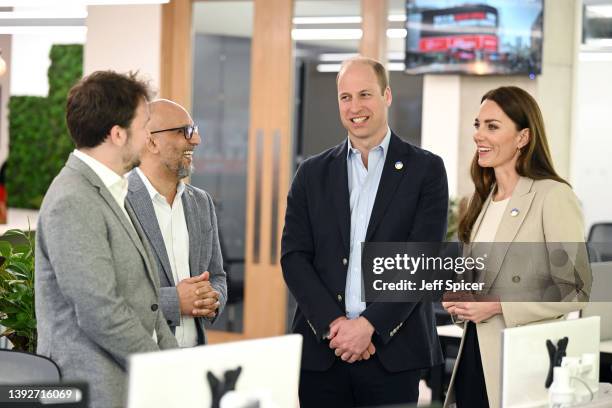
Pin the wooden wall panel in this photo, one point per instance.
(269, 167)
(374, 27)
(176, 59)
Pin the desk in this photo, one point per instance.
(450, 336)
(454, 331)
(603, 398)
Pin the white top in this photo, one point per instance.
(116, 185)
(173, 227)
(491, 220)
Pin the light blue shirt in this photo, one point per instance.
(362, 186)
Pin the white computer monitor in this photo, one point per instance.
(178, 378)
(525, 360)
(601, 297)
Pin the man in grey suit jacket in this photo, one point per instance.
(97, 286)
(180, 222)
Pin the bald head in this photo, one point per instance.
(168, 154)
(166, 114)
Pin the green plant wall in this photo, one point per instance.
(39, 141)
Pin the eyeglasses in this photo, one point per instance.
(188, 130)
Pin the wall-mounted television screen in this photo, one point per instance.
(486, 37)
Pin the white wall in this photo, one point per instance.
(30, 58)
(591, 166)
(441, 122)
(555, 87)
(5, 89)
(125, 38)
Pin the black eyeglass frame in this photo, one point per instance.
(188, 130)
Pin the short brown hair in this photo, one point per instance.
(379, 70)
(100, 101)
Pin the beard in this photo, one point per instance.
(184, 171)
(130, 157)
(177, 167)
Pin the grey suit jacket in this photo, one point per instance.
(96, 285)
(204, 248)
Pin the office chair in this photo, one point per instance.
(17, 367)
(27, 369)
(235, 285)
(600, 242)
(602, 281)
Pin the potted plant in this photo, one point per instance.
(17, 313)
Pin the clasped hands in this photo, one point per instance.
(197, 297)
(466, 308)
(351, 339)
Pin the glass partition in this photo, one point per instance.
(222, 32)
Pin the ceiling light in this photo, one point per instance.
(336, 56)
(68, 3)
(43, 14)
(396, 56)
(396, 66)
(43, 30)
(339, 57)
(327, 20)
(392, 66)
(299, 34)
(396, 33)
(600, 11)
(328, 67)
(313, 34)
(595, 56)
(340, 19)
(397, 17)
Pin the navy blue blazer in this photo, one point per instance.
(411, 206)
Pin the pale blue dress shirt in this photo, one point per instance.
(362, 185)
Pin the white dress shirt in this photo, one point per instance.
(116, 185)
(173, 227)
(362, 186)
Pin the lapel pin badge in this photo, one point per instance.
(514, 212)
(399, 165)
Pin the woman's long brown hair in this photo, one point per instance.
(534, 161)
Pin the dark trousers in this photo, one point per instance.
(470, 386)
(363, 383)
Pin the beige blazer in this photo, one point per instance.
(548, 211)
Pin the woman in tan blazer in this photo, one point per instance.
(518, 198)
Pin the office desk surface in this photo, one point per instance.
(603, 398)
(450, 330)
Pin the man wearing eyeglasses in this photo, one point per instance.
(180, 223)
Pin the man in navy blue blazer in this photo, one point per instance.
(373, 187)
